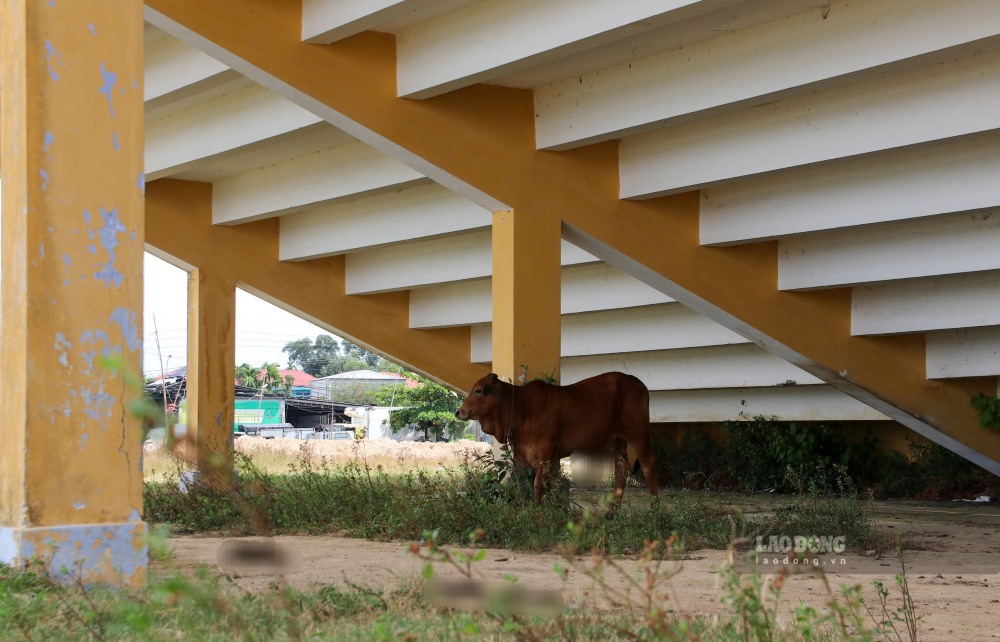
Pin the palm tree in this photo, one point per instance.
(247, 375)
(270, 378)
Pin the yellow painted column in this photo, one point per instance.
(526, 294)
(71, 161)
(211, 371)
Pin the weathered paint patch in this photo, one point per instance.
(67, 260)
(45, 178)
(92, 29)
(114, 140)
(141, 183)
(92, 249)
(109, 239)
(98, 404)
(86, 217)
(51, 56)
(84, 438)
(9, 545)
(126, 320)
(108, 80)
(41, 250)
(113, 554)
(47, 141)
(79, 505)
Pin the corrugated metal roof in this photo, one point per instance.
(363, 374)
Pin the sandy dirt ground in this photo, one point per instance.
(954, 580)
(954, 575)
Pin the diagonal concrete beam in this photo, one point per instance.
(179, 228)
(489, 152)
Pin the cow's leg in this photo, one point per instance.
(644, 453)
(539, 481)
(620, 472)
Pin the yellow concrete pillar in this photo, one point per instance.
(526, 294)
(211, 371)
(71, 161)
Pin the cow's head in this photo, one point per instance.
(483, 401)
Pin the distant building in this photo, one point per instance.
(301, 382)
(339, 386)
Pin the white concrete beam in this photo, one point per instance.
(733, 366)
(459, 257)
(173, 69)
(964, 353)
(419, 212)
(337, 119)
(452, 304)
(220, 125)
(341, 173)
(659, 327)
(843, 42)
(482, 344)
(499, 37)
(931, 246)
(300, 142)
(792, 403)
(921, 305)
(326, 21)
(932, 103)
(588, 288)
(937, 178)
(585, 288)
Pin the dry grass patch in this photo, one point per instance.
(276, 456)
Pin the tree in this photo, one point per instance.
(301, 355)
(327, 356)
(270, 379)
(247, 375)
(370, 359)
(429, 406)
(326, 348)
(264, 378)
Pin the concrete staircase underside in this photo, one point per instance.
(783, 207)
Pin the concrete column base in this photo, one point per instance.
(115, 554)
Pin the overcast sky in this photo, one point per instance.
(261, 328)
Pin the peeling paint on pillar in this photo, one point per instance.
(51, 56)
(109, 78)
(109, 239)
(98, 404)
(62, 344)
(126, 320)
(86, 554)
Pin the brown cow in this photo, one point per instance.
(543, 423)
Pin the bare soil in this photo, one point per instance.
(954, 578)
(953, 561)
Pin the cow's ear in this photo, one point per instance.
(493, 376)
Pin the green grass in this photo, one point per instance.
(357, 501)
(197, 605)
